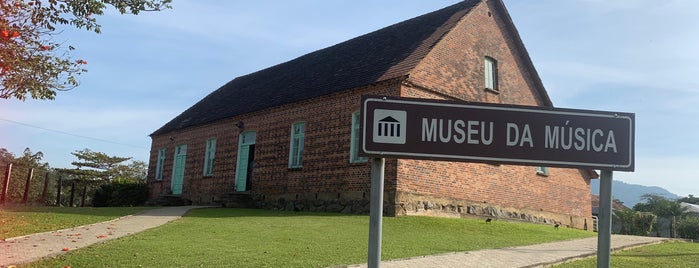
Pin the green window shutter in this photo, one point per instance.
(160, 165)
(209, 157)
(491, 73)
(354, 143)
(296, 151)
(241, 171)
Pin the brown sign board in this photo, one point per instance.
(494, 133)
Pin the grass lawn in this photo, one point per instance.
(669, 254)
(21, 220)
(263, 238)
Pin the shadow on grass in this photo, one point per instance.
(641, 255)
(89, 211)
(220, 212)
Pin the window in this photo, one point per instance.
(209, 157)
(491, 74)
(296, 151)
(160, 164)
(544, 171)
(354, 143)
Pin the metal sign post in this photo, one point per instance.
(376, 212)
(494, 133)
(604, 230)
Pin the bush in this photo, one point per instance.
(643, 223)
(688, 227)
(120, 194)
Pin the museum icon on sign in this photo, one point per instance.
(389, 126)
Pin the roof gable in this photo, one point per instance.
(380, 55)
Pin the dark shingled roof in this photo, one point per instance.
(383, 54)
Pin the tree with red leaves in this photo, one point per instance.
(32, 64)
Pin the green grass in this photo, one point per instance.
(669, 254)
(18, 221)
(263, 238)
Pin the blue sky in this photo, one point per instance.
(635, 56)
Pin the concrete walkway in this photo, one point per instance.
(540, 255)
(24, 249)
(29, 248)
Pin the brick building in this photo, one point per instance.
(286, 136)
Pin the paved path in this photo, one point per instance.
(33, 247)
(540, 255)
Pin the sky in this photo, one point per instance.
(637, 56)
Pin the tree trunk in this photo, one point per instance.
(46, 188)
(72, 193)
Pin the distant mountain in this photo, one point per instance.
(631, 194)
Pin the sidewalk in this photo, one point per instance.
(539, 255)
(29, 248)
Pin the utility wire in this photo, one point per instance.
(71, 134)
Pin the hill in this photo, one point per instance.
(630, 194)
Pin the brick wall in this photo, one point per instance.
(327, 181)
(455, 70)
(326, 169)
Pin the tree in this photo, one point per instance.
(99, 165)
(107, 179)
(689, 199)
(5, 157)
(32, 62)
(135, 171)
(663, 208)
(20, 169)
(660, 206)
(689, 228)
(624, 217)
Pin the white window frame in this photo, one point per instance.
(209, 157)
(491, 73)
(160, 164)
(354, 143)
(298, 132)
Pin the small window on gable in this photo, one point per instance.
(354, 144)
(543, 171)
(160, 165)
(298, 131)
(209, 157)
(491, 74)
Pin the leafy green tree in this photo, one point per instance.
(20, 169)
(98, 164)
(689, 199)
(643, 223)
(660, 206)
(97, 171)
(688, 228)
(625, 220)
(32, 60)
(135, 171)
(6, 156)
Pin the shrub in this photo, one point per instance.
(643, 223)
(688, 227)
(120, 194)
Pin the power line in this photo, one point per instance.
(70, 134)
